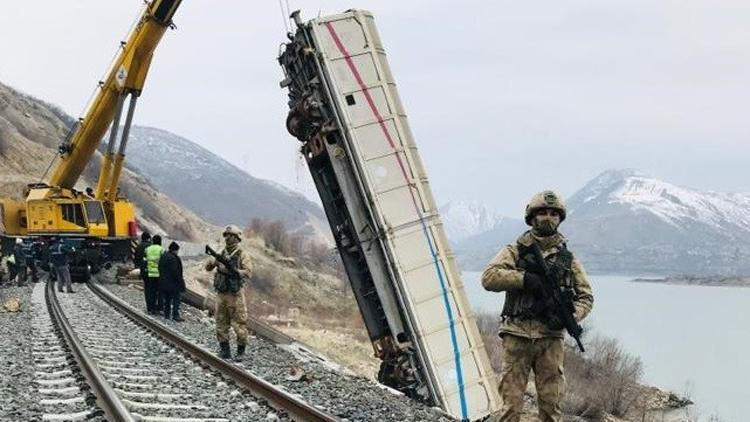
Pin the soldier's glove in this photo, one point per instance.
(532, 282)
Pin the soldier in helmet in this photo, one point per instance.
(531, 339)
(230, 297)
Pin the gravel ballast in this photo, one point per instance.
(153, 379)
(19, 399)
(350, 397)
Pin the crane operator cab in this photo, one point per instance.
(83, 220)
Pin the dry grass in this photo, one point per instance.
(604, 381)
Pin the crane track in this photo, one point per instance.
(137, 368)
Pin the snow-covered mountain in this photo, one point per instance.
(464, 219)
(625, 221)
(190, 174)
(682, 208)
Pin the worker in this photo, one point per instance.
(139, 256)
(19, 256)
(36, 250)
(3, 263)
(58, 257)
(171, 282)
(151, 284)
(229, 281)
(10, 262)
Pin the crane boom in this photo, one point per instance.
(126, 76)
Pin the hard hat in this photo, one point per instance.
(542, 200)
(232, 229)
(19, 241)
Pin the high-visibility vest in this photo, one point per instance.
(153, 253)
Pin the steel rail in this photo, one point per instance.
(276, 398)
(109, 402)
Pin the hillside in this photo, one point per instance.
(189, 174)
(30, 131)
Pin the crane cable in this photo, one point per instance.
(284, 16)
(41, 179)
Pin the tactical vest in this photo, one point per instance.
(226, 283)
(153, 253)
(521, 304)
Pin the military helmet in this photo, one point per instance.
(542, 200)
(232, 229)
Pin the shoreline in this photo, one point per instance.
(706, 281)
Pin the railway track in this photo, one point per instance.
(282, 360)
(140, 370)
(64, 393)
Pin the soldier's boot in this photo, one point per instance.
(225, 353)
(240, 352)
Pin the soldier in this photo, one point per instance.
(531, 339)
(230, 296)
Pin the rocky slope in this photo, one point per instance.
(189, 174)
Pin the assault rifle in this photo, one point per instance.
(228, 265)
(559, 305)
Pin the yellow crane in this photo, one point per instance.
(100, 222)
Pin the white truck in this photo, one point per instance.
(346, 111)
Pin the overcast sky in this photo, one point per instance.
(505, 98)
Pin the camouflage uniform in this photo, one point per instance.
(230, 310)
(528, 343)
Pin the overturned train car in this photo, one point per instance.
(345, 109)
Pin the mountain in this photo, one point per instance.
(463, 219)
(627, 222)
(190, 174)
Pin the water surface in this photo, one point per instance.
(692, 338)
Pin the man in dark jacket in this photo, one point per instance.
(19, 257)
(139, 257)
(58, 257)
(171, 282)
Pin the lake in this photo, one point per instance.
(690, 338)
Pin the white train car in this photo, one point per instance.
(346, 111)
